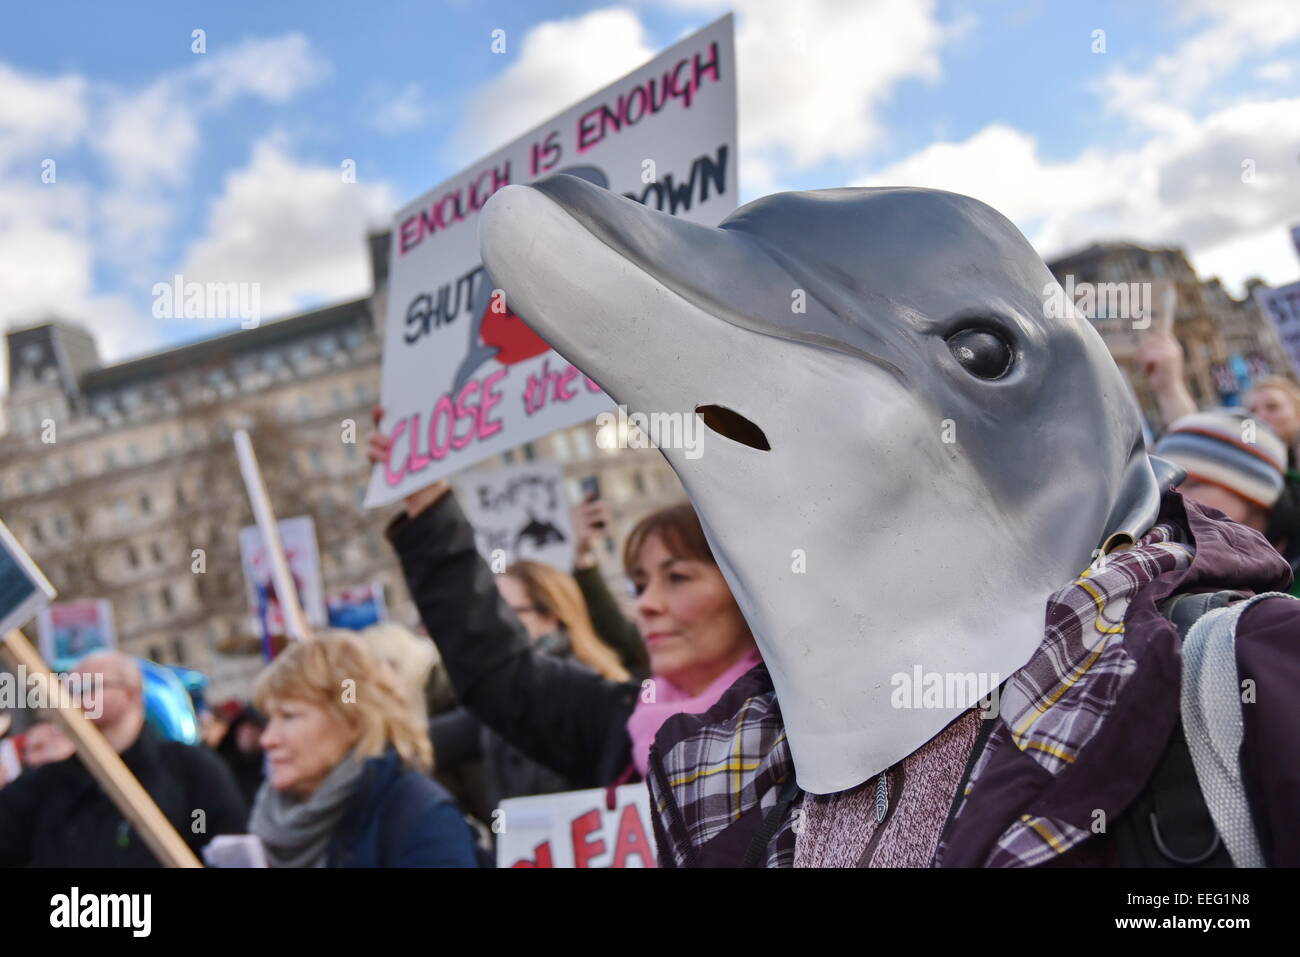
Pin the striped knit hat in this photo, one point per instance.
(1213, 448)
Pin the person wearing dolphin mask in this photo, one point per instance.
(955, 497)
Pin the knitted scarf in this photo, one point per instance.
(296, 831)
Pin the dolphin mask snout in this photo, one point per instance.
(842, 347)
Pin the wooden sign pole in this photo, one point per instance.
(295, 623)
(106, 765)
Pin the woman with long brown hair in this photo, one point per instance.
(592, 730)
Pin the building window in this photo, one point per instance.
(123, 512)
(132, 557)
(156, 551)
(304, 407)
(155, 654)
(110, 460)
(143, 606)
(530, 452)
(327, 346)
(178, 647)
(314, 456)
(560, 446)
(361, 392)
(69, 470)
(582, 443)
(37, 536)
(146, 506)
(60, 526)
(165, 597)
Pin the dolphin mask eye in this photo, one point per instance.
(981, 352)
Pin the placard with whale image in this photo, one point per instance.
(519, 512)
(463, 378)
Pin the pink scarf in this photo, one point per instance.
(648, 717)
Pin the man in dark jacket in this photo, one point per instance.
(57, 815)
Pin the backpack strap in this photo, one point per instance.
(1213, 725)
(1168, 824)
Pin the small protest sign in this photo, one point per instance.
(577, 829)
(519, 513)
(299, 537)
(71, 629)
(24, 591)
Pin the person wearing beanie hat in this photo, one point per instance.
(1233, 462)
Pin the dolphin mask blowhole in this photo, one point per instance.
(908, 453)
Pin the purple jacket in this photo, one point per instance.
(1118, 763)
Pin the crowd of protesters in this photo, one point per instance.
(389, 748)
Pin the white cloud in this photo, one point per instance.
(295, 228)
(404, 111)
(559, 63)
(1276, 71)
(814, 75)
(274, 68)
(148, 137)
(1163, 95)
(1183, 189)
(39, 115)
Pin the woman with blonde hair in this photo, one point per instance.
(347, 761)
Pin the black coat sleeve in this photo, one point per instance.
(457, 737)
(555, 711)
(610, 623)
(20, 800)
(211, 787)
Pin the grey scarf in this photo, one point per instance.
(296, 831)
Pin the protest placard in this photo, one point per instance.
(519, 513)
(356, 608)
(463, 378)
(577, 829)
(70, 629)
(1282, 306)
(24, 591)
(299, 537)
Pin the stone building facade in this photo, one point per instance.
(121, 480)
(1224, 340)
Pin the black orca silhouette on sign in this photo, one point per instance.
(506, 344)
(538, 533)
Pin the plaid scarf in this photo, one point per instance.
(725, 769)
(1053, 706)
(1050, 709)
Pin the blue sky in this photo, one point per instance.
(226, 162)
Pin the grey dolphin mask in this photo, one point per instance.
(908, 452)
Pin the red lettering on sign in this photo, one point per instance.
(631, 839)
(541, 857)
(583, 849)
